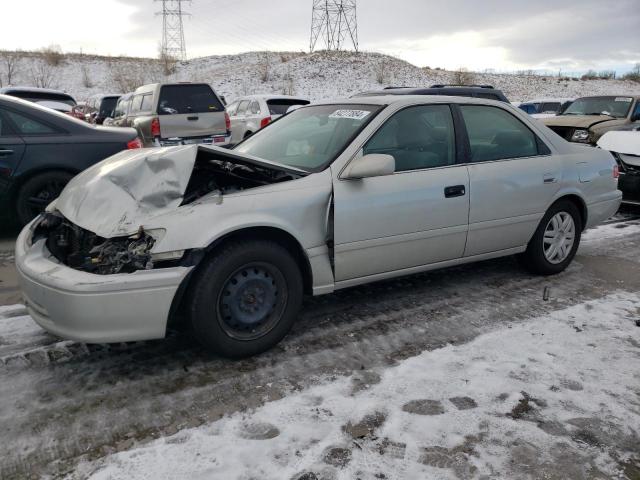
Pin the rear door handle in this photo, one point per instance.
(454, 191)
(549, 178)
(5, 153)
(192, 118)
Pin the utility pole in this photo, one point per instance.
(336, 22)
(173, 45)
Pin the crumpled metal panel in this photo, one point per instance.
(626, 142)
(113, 197)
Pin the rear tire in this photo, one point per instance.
(556, 240)
(37, 192)
(245, 298)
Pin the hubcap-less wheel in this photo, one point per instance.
(559, 237)
(252, 301)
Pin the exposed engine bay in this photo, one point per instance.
(83, 250)
(215, 175)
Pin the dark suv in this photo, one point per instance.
(477, 91)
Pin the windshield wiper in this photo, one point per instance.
(601, 114)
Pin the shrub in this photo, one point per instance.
(53, 55)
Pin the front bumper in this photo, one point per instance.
(92, 308)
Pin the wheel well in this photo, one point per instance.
(580, 205)
(248, 133)
(176, 312)
(22, 179)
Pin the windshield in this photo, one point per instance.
(310, 138)
(180, 99)
(617, 107)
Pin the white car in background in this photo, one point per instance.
(545, 107)
(253, 112)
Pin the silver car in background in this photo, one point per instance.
(332, 195)
(251, 113)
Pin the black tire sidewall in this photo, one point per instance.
(22, 211)
(534, 258)
(209, 281)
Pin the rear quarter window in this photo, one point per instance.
(30, 126)
(181, 99)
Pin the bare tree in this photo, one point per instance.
(10, 62)
(462, 76)
(53, 55)
(265, 68)
(288, 85)
(126, 76)
(633, 75)
(382, 71)
(86, 78)
(42, 75)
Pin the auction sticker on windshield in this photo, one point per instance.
(352, 114)
(624, 99)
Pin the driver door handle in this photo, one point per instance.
(4, 153)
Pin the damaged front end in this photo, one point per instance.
(83, 250)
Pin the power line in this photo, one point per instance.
(334, 21)
(173, 44)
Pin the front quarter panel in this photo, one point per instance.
(298, 207)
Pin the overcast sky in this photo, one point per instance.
(572, 35)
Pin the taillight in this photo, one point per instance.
(616, 171)
(227, 121)
(135, 143)
(155, 127)
(265, 122)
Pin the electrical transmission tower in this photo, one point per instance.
(335, 22)
(173, 45)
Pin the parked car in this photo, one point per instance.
(41, 150)
(545, 107)
(55, 99)
(100, 107)
(78, 111)
(330, 196)
(625, 147)
(120, 112)
(251, 113)
(475, 91)
(166, 114)
(588, 118)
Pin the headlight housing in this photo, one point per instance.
(580, 135)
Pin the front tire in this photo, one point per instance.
(37, 192)
(245, 298)
(556, 240)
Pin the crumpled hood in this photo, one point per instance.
(625, 143)
(577, 121)
(115, 196)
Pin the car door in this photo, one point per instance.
(513, 178)
(415, 217)
(11, 151)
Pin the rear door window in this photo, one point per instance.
(242, 108)
(281, 105)
(146, 104)
(495, 134)
(181, 99)
(5, 128)
(136, 103)
(254, 108)
(29, 126)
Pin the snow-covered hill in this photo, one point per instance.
(317, 75)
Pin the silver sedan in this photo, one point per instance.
(330, 196)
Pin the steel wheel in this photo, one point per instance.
(559, 237)
(252, 301)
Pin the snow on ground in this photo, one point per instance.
(319, 75)
(532, 399)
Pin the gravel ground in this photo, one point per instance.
(64, 402)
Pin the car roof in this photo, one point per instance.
(6, 90)
(266, 96)
(550, 99)
(408, 100)
(39, 109)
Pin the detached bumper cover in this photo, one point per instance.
(94, 308)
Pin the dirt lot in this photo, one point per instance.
(63, 402)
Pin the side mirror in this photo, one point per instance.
(372, 165)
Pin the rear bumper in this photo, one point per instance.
(94, 308)
(217, 140)
(598, 212)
